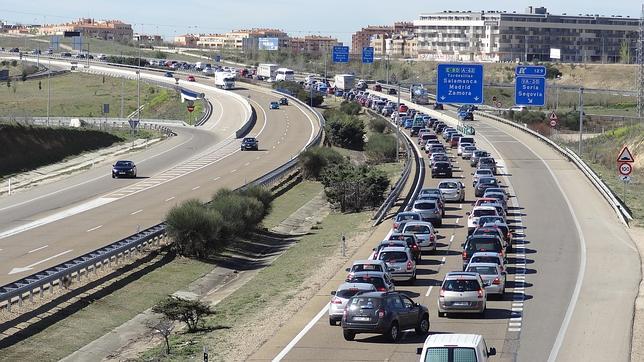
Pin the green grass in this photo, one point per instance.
(392, 170)
(292, 200)
(83, 95)
(274, 285)
(103, 315)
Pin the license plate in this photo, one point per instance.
(361, 319)
(122, 172)
(461, 304)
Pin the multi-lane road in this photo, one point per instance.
(47, 225)
(572, 278)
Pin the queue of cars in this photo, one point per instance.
(415, 232)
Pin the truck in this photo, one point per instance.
(225, 80)
(267, 71)
(418, 94)
(344, 81)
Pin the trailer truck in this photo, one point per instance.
(418, 94)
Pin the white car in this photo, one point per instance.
(492, 275)
(467, 152)
(477, 212)
(367, 265)
(471, 347)
(424, 232)
(461, 147)
(488, 257)
(341, 296)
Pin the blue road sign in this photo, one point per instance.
(530, 91)
(460, 83)
(340, 54)
(133, 123)
(217, 58)
(367, 55)
(530, 71)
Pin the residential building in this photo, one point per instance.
(379, 44)
(186, 40)
(504, 36)
(213, 41)
(102, 29)
(313, 44)
(147, 38)
(400, 46)
(362, 38)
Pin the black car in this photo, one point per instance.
(483, 184)
(441, 168)
(284, 101)
(484, 243)
(392, 91)
(387, 313)
(249, 143)
(438, 106)
(14, 50)
(124, 169)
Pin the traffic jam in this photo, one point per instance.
(453, 257)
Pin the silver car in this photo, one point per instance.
(480, 172)
(452, 190)
(401, 261)
(380, 280)
(467, 152)
(474, 160)
(424, 232)
(341, 296)
(492, 275)
(461, 146)
(462, 292)
(429, 210)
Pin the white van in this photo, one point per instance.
(455, 347)
(466, 139)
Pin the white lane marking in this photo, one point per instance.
(233, 171)
(299, 336)
(516, 319)
(216, 178)
(451, 238)
(57, 216)
(443, 260)
(35, 250)
(517, 309)
(257, 158)
(517, 304)
(514, 324)
(247, 163)
(94, 228)
(195, 188)
(460, 206)
(457, 220)
(29, 267)
(169, 198)
(136, 212)
(514, 329)
(429, 291)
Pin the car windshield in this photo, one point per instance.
(401, 217)
(485, 172)
(393, 256)
(483, 270)
(461, 285)
(374, 280)
(425, 205)
(487, 181)
(483, 245)
(417, 229)
(485, 259)
(364, 303)
(123, 164)
(448, 185)
(483, 212)
(367, 267)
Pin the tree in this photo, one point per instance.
(163, 327)
(625, 52)
(190, 312)
(312, 162)
(344, 130)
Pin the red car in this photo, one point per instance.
(403, 108)
(191, 78)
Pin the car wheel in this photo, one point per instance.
(440, 223)
(413, 278)
(393, 334)
(332, 322)
(349, 335)
(113, 176)
(441, 314)
(423, 326)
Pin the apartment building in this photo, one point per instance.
(313, 44)
(186, 40)
(527, 36)
(362, 38)
(102, 29)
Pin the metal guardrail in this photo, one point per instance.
(207, 106)
(26, 288)
(620, 209)
(116, 123)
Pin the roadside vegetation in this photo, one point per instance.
(296, 90)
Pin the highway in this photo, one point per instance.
(573, 276)
(49, 224)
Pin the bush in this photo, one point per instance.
(240, 213)
(261, 194)
(354, 188)
(195, 229)
(313, 161)
(381, 148)
(305, 96)
(378, 124)
(527, 116)
(191, 312)
(344, 130)
(350, 108)
(552, 72)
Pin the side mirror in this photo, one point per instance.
(347, 269)
(374, 249)
(390, 269)
(491, 352)
(467, 213)
(333, 292)
(419, 350)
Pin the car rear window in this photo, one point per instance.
(367, 267)
(486, 259)
(458, 354)
(487, 181)
(402, 217)
(461, 285)
(373, 280)
(486, 245)
(483, 270)
(417, 229)
(425, 205)
(364, 303)
(393, 256)
(347, 293)
(448, 185)
(484, 212)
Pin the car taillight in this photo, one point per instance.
(435, 211)
(381, 313)
(441, 293)
(496, 281)
(432, 237)
(480, 293)
(382, 289)
(464, 254)
(409, 265)
(415, 247)
(336, 300)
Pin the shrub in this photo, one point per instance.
(191, 312)
(377, 124)
(344, 130)
(240, 213)
(354, 188)
(195, 229)
(261, 194)
(381, 148)
(313, 161)
(350, 108)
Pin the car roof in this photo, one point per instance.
(446, 339)
(486, 253)
(369, 273)
(361, 286)
(418, 222)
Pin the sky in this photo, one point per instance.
(337, 18)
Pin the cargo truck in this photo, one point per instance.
(225, 80)
(344, 81)
(418, 94)
(267, 71)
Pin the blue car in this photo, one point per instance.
(275, 105)
(408, 123)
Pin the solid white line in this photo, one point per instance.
(299, 336)
(170, 198)
(429, 291)
(35, 250)
(451, 238)
(94, 228)
(195, 188)
(458, 219)
(136, 212)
